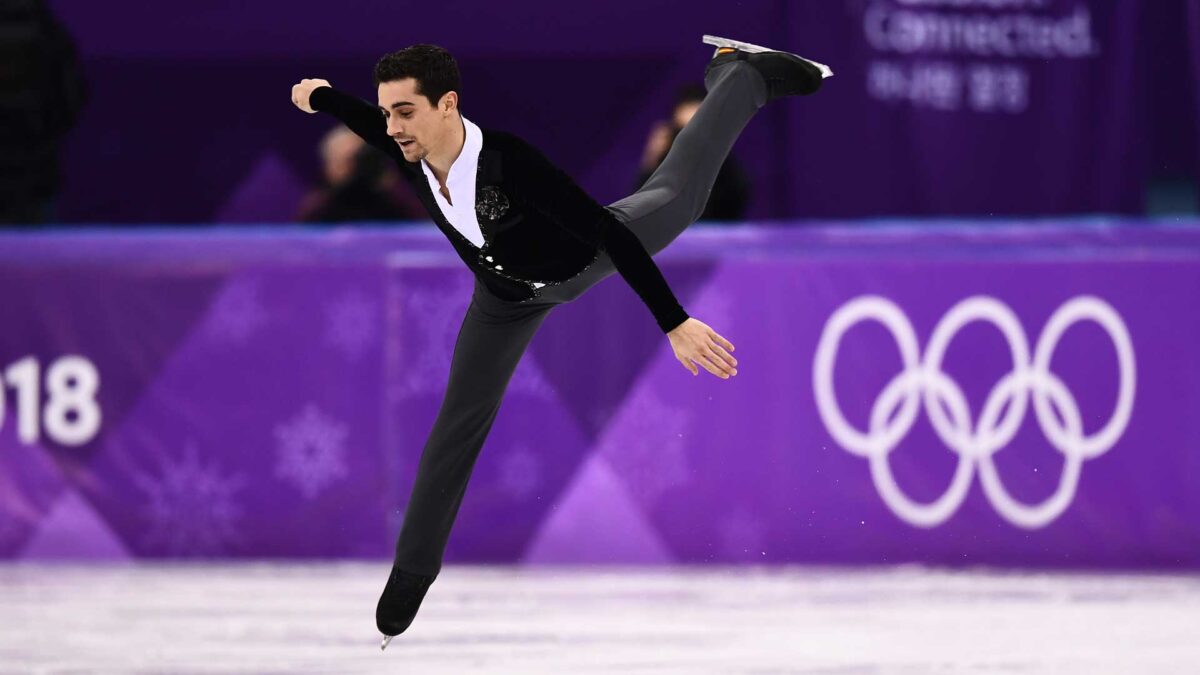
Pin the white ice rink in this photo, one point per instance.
(319, 618)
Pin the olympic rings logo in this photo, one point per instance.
(922, 381)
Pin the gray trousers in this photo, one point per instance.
(495, 332)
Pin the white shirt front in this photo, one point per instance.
(460, 182)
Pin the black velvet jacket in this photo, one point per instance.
(538, 225)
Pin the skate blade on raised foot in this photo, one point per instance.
(386, 640)
(720, 42)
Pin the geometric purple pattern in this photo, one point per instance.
(267, 393)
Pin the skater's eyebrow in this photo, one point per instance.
(397, 104)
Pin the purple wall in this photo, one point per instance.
(196, 113)
(190, 119)
(266, 393)
(938, 115)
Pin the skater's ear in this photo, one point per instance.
(448, 103)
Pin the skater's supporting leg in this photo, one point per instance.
(490, 343)
(675, 195)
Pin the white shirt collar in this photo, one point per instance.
(460, 181)
(467, 162)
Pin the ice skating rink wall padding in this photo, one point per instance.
(1017, 393)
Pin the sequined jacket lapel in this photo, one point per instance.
(523, 251)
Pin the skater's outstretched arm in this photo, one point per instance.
(364, 119)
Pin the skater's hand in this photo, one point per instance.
(695, 343)
(303, 89)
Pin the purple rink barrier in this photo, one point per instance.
(1017, 394)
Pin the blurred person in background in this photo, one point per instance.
(360, 184)
(42, 91)
(730, 193)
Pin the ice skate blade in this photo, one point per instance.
(720, 42)
(386, 640)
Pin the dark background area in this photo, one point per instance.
(189, 118)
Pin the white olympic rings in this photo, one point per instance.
(974, 444)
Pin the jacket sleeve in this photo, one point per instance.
(545, 188)
(361, 117)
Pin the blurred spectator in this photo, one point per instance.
(360, 184)
(41, 93)
(731, 191)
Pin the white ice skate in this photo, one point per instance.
(721, 43)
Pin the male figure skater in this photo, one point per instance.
(534, 240)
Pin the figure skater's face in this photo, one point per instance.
(418, 127)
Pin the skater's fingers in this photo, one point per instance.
(688, 364)
(721, 362)
(720, 351)
(710, 365)
(703, 363)
(720, 340)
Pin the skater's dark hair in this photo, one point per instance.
(431, 66)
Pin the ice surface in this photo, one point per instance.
(300, 618)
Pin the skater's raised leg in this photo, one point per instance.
(738, 84)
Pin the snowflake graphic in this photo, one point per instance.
(520, 472)
(190, 507)
(741, 534)
(646, 445)
(237, 314)
(436, 314)
(311, 451)
(352, 324)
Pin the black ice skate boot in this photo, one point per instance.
(786, 74)
(399, 602)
